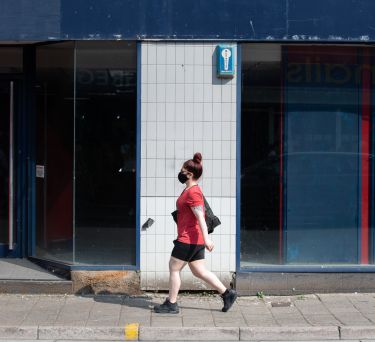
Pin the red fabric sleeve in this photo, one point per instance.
(194, 198)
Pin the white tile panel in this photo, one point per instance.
(189, 109)
(170, 131)
(180, 73)
(160, 131)
(160, 208)
(188, 112)
(150, 186)
(144, 55)
(151, 52)
(198, 111)
(189, 74)
(171, 54)
(161, 54)
(161, 93)
(189, 53)
(207, 110)
(170, 75)
(198, 92)
(169, 110)
(199, 74)
(189, 92)
(180, 53)
(170, 95)
(160, 187)
(216, 93)
(151, 73)
(198, 55)
(160, 151)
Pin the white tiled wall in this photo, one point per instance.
(185, 109)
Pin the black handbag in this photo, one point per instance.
(212, 221)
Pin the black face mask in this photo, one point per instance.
(182, 177)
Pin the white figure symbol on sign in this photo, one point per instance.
(226, 55)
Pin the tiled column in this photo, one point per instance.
(185, 109)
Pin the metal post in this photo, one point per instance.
(11, 171)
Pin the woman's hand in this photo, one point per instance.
(209, 245)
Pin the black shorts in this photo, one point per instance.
(187, 252)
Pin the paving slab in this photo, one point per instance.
(104, 317)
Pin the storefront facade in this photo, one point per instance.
(103, 101)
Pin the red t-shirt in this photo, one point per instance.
(187, 224)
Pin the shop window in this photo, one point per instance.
(54, 151)
(306, 155)
(105, 148)
(86, 152)
(11, 60)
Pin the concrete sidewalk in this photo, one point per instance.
(116, 318)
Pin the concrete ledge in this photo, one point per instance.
(188, 334)
(81, 333)
(290, 284)
(358, 332)
(36, 286)
(106, 282)
(18, 333)
(289, 333)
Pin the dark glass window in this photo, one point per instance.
(11, 60)
(306, 157)
(105, 153)
(260, 162)
(86, 152)
(54, 151)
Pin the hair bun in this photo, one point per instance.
(197, 158)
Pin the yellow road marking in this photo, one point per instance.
(131, 331)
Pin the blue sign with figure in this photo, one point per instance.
(225, 65)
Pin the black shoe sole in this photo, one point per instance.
(167, 312)
(235, 297)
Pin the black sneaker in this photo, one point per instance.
(229, 298)
(167, 307)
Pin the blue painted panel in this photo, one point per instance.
(219, 19)
(29, 19)
(183, 19)
(332, 19)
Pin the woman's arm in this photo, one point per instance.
(198, 212)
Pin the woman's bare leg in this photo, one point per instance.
(198, 268)
(175, 267)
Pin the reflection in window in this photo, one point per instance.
(54, 151)
(260, 151)
(11, 60)
(305, 155)
(105, 153)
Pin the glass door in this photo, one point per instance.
(8, 233)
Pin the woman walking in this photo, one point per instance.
(192, 240)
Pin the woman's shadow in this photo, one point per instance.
(145, 302)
